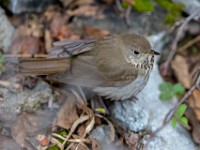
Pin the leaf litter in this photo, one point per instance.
(73, 115)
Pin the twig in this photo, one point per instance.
(190, 43)
(172, 111)
(74, 126)
(119, 6)
(126, 13)
(77, 140)
(112, 129)
(165, 66)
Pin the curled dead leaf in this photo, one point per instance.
(194, 103)
(181, 70)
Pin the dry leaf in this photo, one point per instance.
(33, 28)
(67, 113)
(181, 70)
(43, 140)
(58, 21)
(30, 125)
(85, 2)
(96, 145)
(85, 10)
(66, 33)
(195, 124)
(194, 103)
(25, 45)
(66, 3)
(94, 33)
(132, 140)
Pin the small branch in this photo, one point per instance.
(165, 66)
(119, 6)
(74, 126)
(190, 43)
(127, 15)
(172, 111)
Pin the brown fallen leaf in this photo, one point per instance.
(66, 33)
(25, 45)
(195, 124)
(85, 2)
(43, 140)
(96, 145)
(29, 125)
(132, 140)
(94, 33)
(67, 113)
(58, 21)
(85, 10)
(194, 103)
(181, 70)
(66, 3)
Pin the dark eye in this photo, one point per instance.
(136, 52)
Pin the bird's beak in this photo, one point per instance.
(154, 52)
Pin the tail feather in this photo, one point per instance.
(43, 66)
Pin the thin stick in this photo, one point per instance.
(176, 40)
(170, 114)
(190, 43)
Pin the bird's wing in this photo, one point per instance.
(83, 72)
(68, 48)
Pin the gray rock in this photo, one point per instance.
(20, 6)
(133, 117)
(26, 100)
(148, 113)
(102, 134)
(6, 31)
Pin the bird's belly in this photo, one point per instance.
(124, 92)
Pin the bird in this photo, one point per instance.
(116, 66)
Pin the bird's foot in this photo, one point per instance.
(98, 105)
(133, 98)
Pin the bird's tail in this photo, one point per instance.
(42, 66)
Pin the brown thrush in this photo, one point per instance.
(116, 66)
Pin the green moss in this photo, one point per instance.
(143, 6)
(174, 10)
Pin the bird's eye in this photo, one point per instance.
(136, 52)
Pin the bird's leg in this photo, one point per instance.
(133, 98)
(98, 105)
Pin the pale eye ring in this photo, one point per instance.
(136, 52)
